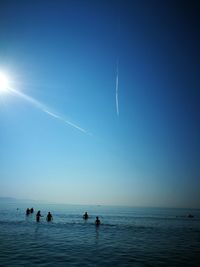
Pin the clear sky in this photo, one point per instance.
(64, 57)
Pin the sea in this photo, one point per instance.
(126, 236)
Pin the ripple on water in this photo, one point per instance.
(121, 240)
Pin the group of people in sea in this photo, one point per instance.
(86, 216)
(38, 215)
(29, 211)
(49, 216)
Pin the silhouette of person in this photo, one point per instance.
(31, 210)
(85, 216)
(49, 217)
(27, 211)
(97, 222)
(38, 215)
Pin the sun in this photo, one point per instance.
(4, 82)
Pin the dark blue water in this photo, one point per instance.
(126, 236)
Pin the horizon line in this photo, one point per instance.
(96, 204)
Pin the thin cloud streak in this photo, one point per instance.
(77, 127)
(116, 90)
(67, 122)
(43, 108)
(52, 114)
(31, 100)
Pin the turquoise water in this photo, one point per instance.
(126, 236)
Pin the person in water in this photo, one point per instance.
(97, 222)
(49, 217)
(31, 210)
(38, 215)
(85, 216)
(27, 211)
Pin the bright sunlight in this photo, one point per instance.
(4, 82)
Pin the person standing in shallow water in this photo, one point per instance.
(97, 222)
(85, 216)
(27, 211)
(31, 210)
(49, 217)
(38, 215)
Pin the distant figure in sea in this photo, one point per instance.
(97, 222)
(27, 211)
(49, 217)
(38, 215)
(31, 210)
(85, 216)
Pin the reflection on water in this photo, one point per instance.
(97, 234)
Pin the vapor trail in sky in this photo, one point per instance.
(116, 89)
(46, 110)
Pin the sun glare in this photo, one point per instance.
(4, 82)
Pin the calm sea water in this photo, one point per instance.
(126, 236)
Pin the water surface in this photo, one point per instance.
(126, 236)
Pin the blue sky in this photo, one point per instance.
(64, 55)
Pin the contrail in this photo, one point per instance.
(116, 89)
(46, 110)
(52, 114)
(67, 122)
